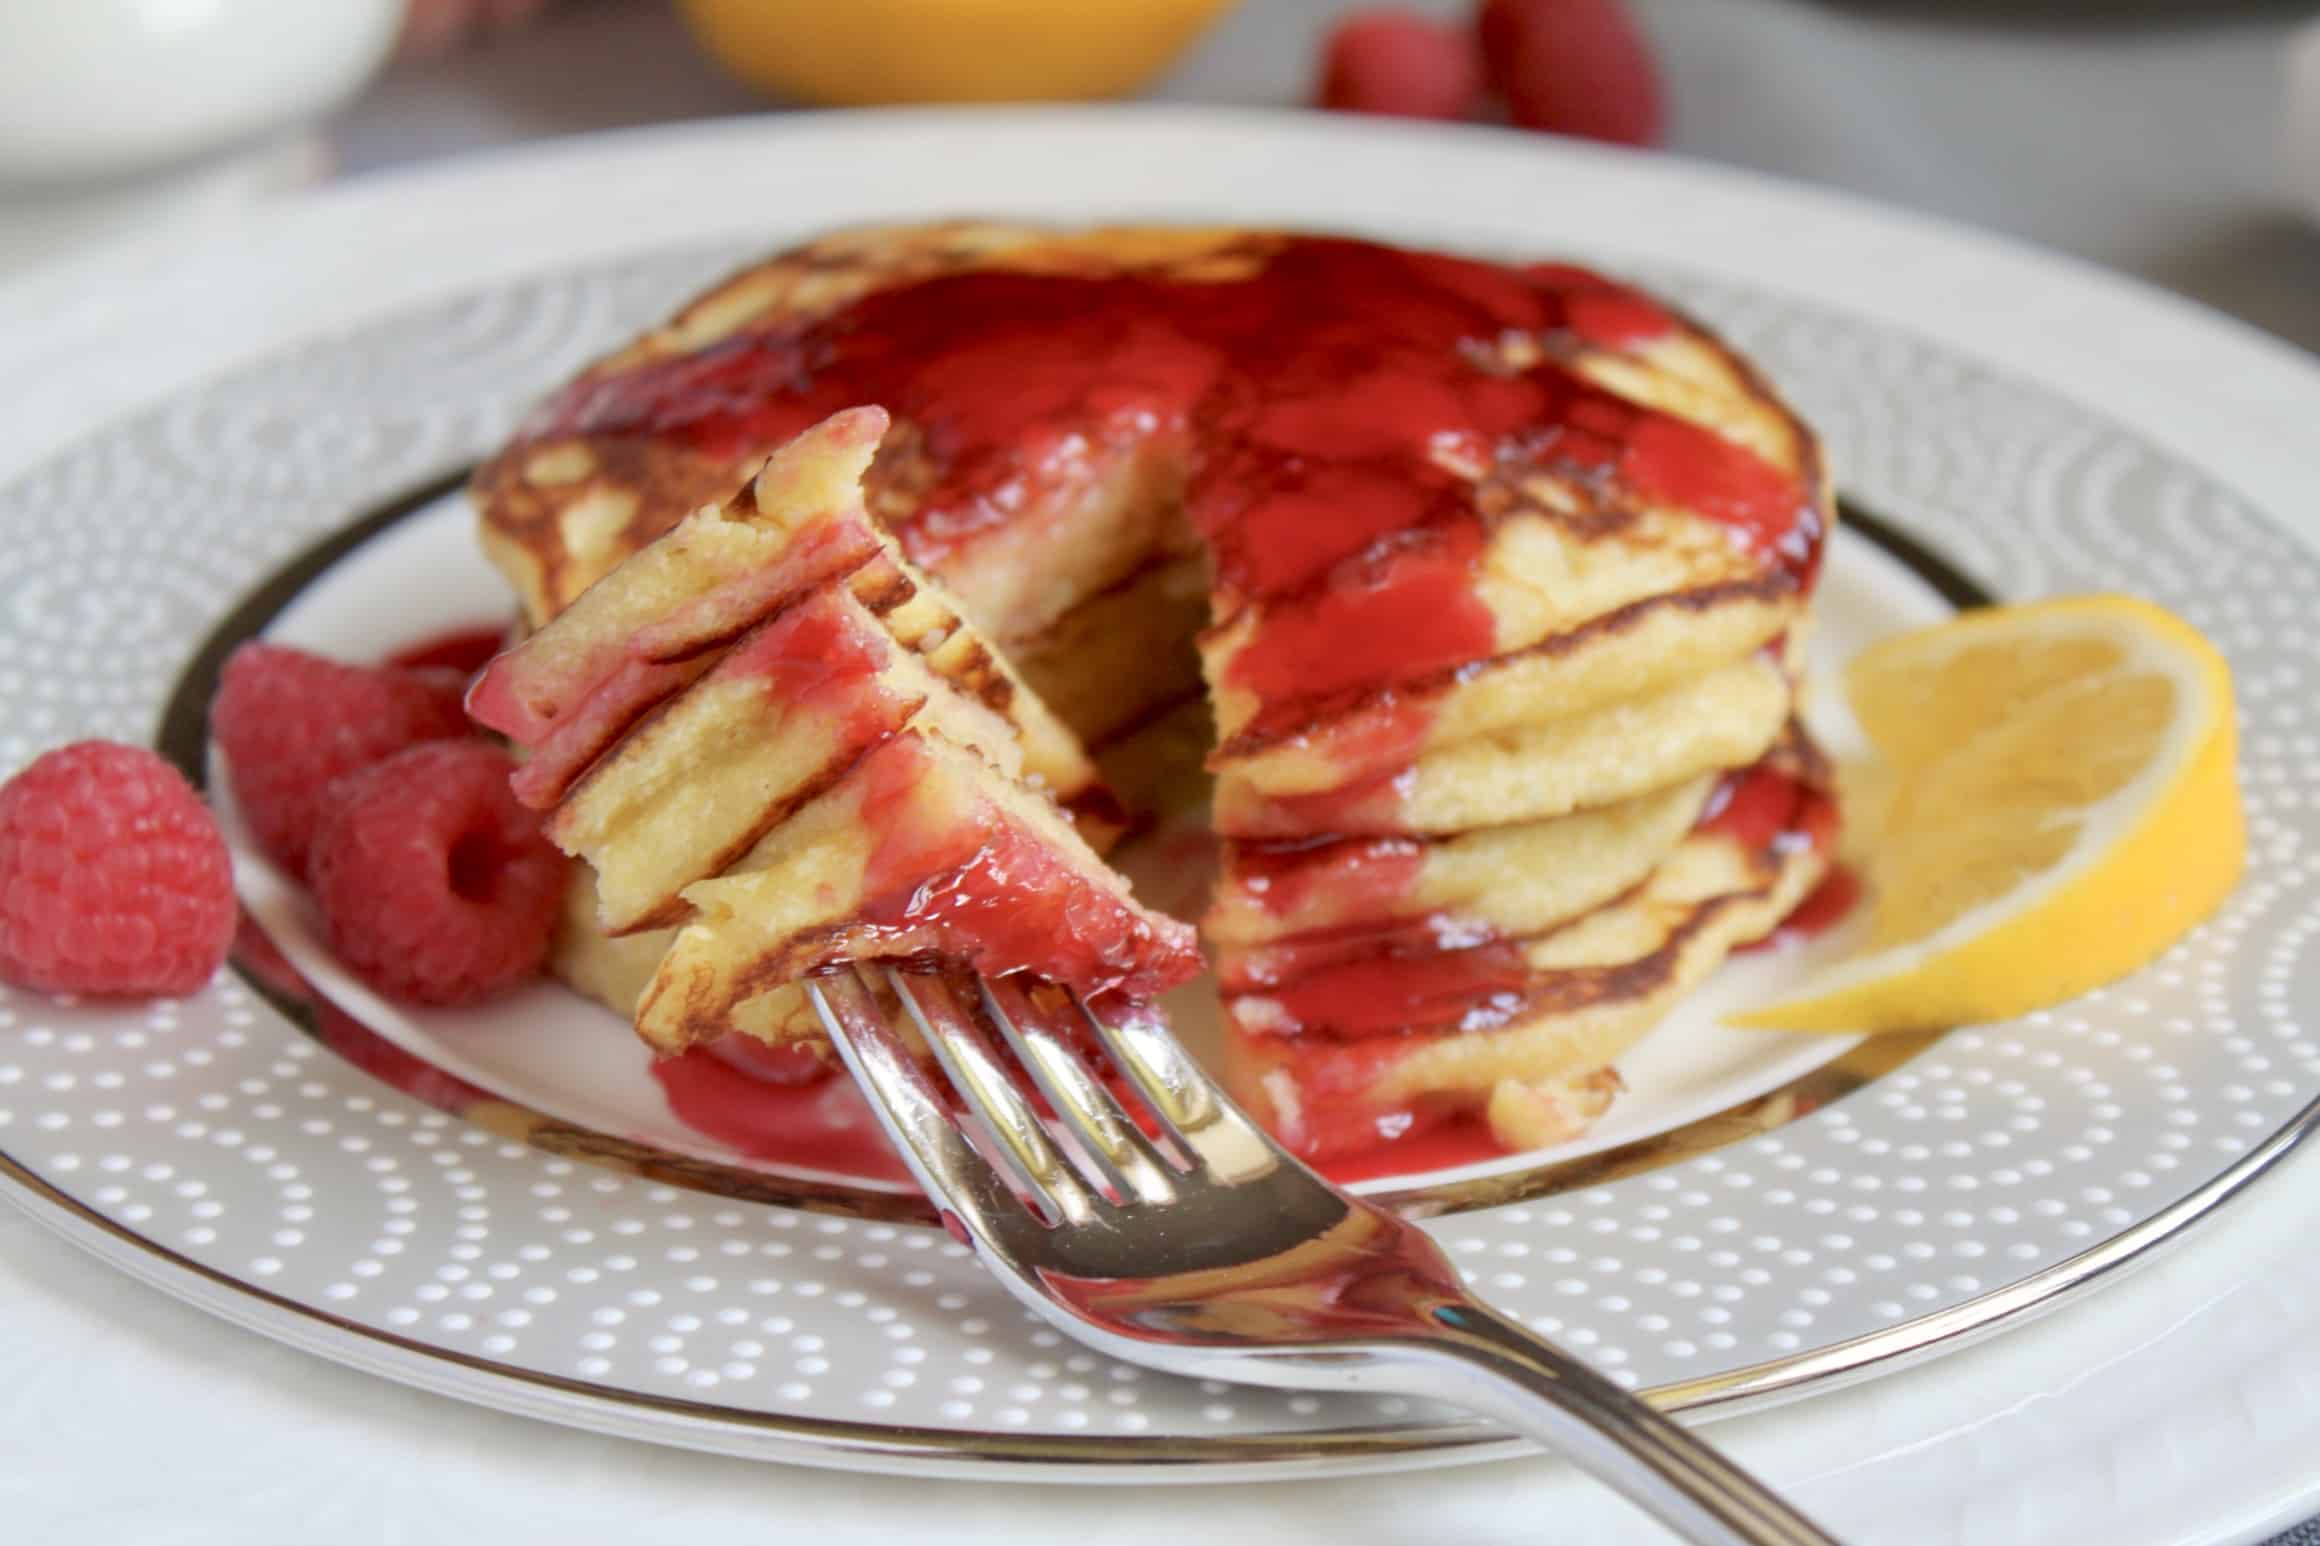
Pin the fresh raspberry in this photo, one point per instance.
(113, 877)
(289, 723)
(435, 885)
(1573, 67)
(1401, 63)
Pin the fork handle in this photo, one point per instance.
(1495, 1367)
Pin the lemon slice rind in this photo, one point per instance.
(2150, 860)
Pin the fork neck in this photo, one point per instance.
(1474, 1357)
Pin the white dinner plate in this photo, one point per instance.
(1761, 1218)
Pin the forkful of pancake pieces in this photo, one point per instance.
(873, 600)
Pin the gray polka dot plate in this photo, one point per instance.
(508, 1205)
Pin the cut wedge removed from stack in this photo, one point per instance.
(2063, 806)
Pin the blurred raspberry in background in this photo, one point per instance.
(435, 26)
(1402, 64)
(1579, 67)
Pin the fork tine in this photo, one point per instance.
(984, 1082)
(1095, 1117)
(912, 1110)
(1198, 1114)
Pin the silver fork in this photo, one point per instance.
(1216, 1254)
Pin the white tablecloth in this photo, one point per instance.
(127, 1418)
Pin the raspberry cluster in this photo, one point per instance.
(1578, 67)
(367, 783)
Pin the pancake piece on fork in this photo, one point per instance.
(771, 732)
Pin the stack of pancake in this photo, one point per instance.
(1496, 576)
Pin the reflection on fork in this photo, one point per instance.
(1206, 1249)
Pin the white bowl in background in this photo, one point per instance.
(92, 90)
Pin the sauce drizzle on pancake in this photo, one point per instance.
(1325, 397)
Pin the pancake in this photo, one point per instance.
(615, 970)
(1157, 766)
(1513, 879)
(609, 968)
(1109, 663)
(1546, 451)
(917, 853)
(1627, 651)
(787, 710)
(1327, 1097)
(796, 772)
(1383, 1042)
(737, 667)
(1725, 718)
(1493, 579)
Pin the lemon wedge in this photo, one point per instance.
(2062, 804)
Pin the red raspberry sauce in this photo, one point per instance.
(465, 650)
(1829, 904)
(981, 884)
(819, 659)
(1357, 877)
(1354, 1002)
(823, 1124)
(1315, 392)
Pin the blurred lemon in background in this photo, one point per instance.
(855, 53)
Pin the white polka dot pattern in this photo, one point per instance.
(214, 1130)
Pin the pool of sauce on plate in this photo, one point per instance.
(807, 1116)
(825, 1124)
